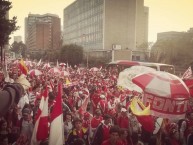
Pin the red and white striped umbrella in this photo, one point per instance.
(35, 72)
(94, 69)
(62, 64)
(167, 93)
(64, 73)
(54, 71)
(162, 84)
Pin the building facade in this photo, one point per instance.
(42, 32)
(106, 24)
(17, 39)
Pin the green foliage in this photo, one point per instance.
(93, 62)
(19, 48)
(177, 51)
(73, 54)
(7, 26)
(51, 55)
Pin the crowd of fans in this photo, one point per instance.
(106, 120)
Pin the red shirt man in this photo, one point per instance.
(123, 120)
(114, 137)
(96, 120)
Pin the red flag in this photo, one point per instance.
(56, 126)
(39, 63)
(189, 84)
(40, 131)
(52, 85)
(23, 67)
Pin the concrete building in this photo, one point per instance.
(169, 35)
(17, 39)
(106, 24)
(190, 30)
(42, 32)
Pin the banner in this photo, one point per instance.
(166, 107)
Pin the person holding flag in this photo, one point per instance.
(56, 136)
(23, 68)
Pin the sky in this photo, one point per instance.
(164, 15)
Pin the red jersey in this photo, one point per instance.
(95, 98)
(123, 122)
(107, 142)
(102, 104)
(174, 142)
(124, 142)
(106, 130)
(96, 121)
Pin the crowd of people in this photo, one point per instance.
(95, 110)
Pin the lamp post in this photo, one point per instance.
(84, 40)
(87, 57)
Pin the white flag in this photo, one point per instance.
(38, 64)
(187, 74)
(56, 136)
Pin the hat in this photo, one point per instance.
(123, 110)
(102, 96)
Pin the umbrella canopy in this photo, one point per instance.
(125, 77)
(62, 64)
(94, 69)
(35, 72)
(162, 84)
(167, 93)
(54, 71)
(64, 73)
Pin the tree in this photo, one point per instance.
(73, 54)
(7, 26)
(177, 50)
(19, 48)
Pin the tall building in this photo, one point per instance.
(42, 32)
(17, 39)
(106, 24)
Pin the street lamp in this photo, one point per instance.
(84, 40)
(87, 59)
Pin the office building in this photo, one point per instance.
(42, 32)
(17, 39)
(106, 24)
